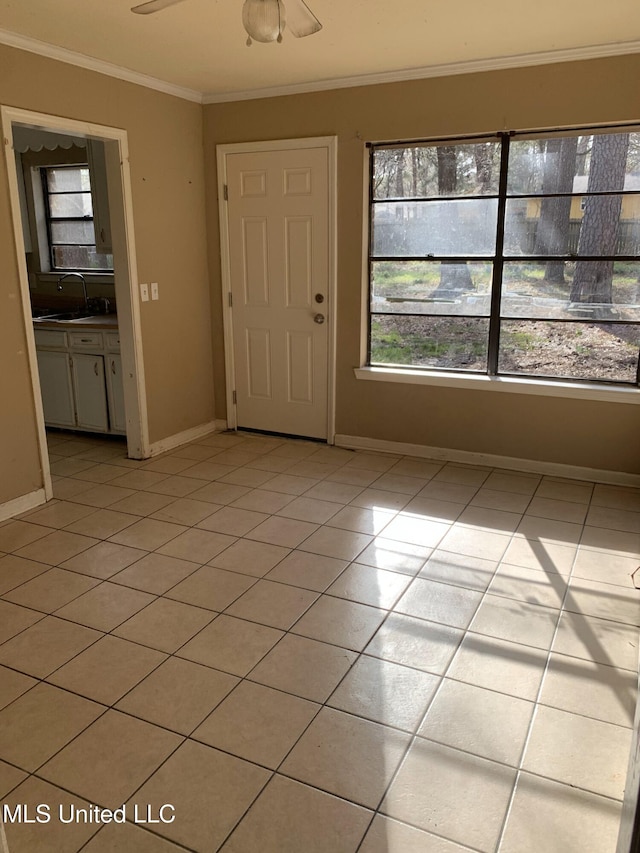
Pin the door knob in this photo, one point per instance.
(319, 318)
(319, 297)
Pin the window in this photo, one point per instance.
(69, 216)
(516, 255)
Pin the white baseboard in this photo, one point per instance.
(180, 438)
(22, 504)
(532, 466)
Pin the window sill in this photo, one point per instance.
(508, 384)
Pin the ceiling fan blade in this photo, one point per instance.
(300, 19)
(153, 6)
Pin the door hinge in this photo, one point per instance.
(235, 398)
(230, 299)
(225, 193)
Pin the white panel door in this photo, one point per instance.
(278, 220)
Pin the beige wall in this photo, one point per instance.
(166, 158)
(598, 435)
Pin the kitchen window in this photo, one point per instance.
(68, 207)
(508, 255)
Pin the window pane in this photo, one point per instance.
(427, 171)
(577, 225)
(70, 205)
(607, 352)
(66, 180)
(465, 227)
(80, 258)
(435, 342)
(430, 287)
(606, 162)
(72, 232)
(597, 290)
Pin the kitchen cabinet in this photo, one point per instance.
(57, 389)
(115, 392)
(90, 392)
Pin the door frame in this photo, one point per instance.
(127, 278)
(330, 143)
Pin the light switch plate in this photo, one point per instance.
(154, 290)
(144, 292)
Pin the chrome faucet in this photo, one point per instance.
(84, 286)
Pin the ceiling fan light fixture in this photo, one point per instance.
(264, 20)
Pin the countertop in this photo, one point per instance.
(99, 321)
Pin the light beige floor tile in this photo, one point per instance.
(413, 642)
(611, 541)
(599, 640)
(275, 604)
(494, 499)
(367, 585)
(155, 573)
(70, 467)
(605, 568)
(148, 534)
(105, 606)
(208, 471)
(395, 556)
(341, 622)
(12, 685)
(16, 570)
(549, 530)
(165, 625)
(425, 794)
(289, 817)
(395, 482)
(516, 621)
(199, 780)
(613, 519)
(107, 670)
(592, 689)
(308, 468)
(304, 667)
(412, 466)
(385, 693)
(139, 479)
(390, 836)
(105, 495)
(212, 588)
(51, 836)
(415, 530)
(439, 602)
(14, 619)
(115, 838)
(347, 756)
(578, 751)
(250, 558)
(528, 585)
(185, 511)
(10, 778)
(543, 556)
(385, 461)
(616, 497)
(432, 509)
(443, 491)
(233, 521)
(110, 759)
(232, 645)
(469, 475)
(520, 484)
(458, 570)
(473, 542)
(103, 560)
(483, 722)
(273, 464)
(309, 509)
(58, 514)
(353, 476)
(56, 547)
(169, 465)
(249, 476)
(144, 504)
(560, 510)
(374, 498)
(309, 571)
(102, 473)
(196, 452)
(328, 490)
(46, 645)
(220, 493)
(257, 723)
(263, 500)
(51, 590)
(495, 520)
(176, 486)
(498, 665)
(178, 695)
(608, 601)
(103, 523)
(65, 488)
(567, 812)
(565, 490)
(41, 722)
(287, 532)
(341, 544)
(361, 520)
(197, 545)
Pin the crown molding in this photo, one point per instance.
(51, 51)
(473, 66)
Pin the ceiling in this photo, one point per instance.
(197, 48)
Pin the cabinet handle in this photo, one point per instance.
(113, 367)
(85, 340)
(95, 368)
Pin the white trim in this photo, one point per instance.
(81, 60)
(508, 384)
(180, 438)
(222, 151)
(511, 463)
(474, 66)
(22, 504)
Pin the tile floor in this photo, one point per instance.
(304, 649)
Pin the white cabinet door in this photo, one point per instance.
(91, 392)
(115, 389)
(57, 390)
